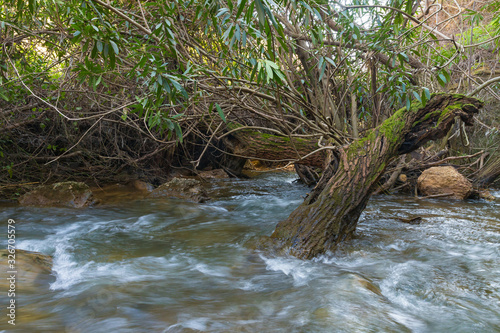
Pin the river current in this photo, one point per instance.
(163, 265)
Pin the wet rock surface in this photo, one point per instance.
(64, 194)
(213, 174)
(33, 269)
(131, 191)
(182, 188)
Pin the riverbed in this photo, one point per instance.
(165, 265)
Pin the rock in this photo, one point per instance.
(182, 188)
(368, 285)
(255, 165)
(65, 194)
(213, 174)
(413, 220)
(486, 195)
(442, 180)
(141, 186)
(116, 193)
(33, 270)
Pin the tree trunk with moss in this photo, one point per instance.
(269, 147)
(330, 213)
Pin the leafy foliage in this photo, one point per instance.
(166, 61)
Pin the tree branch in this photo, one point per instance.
(484, 85)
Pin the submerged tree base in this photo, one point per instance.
(330, 213)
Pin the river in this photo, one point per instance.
(163, 265)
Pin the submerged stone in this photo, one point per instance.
(33, 269)
(129, 192)
(182, 188)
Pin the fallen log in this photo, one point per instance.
(277, 148)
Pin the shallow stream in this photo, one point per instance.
(159, 265)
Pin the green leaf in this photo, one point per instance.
(403, 57)
(269, 72)
(256, 67)
(114, 46)
(330, 61)
(112, 60)
(272, 64)
(99, 46)
(222, 11)
(240, 8)
(425, 96)
(417, 96)
(322, 68)
(447, 75)
(94, 51)
(4, 96)
(261, 12)
(179, 88)
(170, 124)
(31, 6)
(441, 79)
(178, 132)
(427, 93)
(221, 114)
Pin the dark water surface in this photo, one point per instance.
(171, 266)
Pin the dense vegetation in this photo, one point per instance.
(93, 89)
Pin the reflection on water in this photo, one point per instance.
(171, 266)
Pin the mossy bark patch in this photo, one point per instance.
(270, 147)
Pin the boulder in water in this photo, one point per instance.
(65, 194)
(444, 180)
(486, 195)
(139, 185)
(33, 270)
(182, 188)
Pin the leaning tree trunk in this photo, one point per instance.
(331, 211)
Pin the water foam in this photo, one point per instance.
(300, 271)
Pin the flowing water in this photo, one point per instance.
(170, 266)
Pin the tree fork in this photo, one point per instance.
(330, 213)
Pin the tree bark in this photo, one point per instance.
(330, 213)
(257, 145)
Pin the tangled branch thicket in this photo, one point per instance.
(103, 89)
